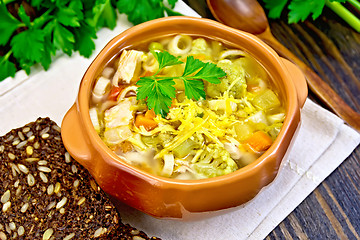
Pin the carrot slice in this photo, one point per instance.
(148, 123)
(150, 114)
(114, 93)
(259, 142)
(200, 56)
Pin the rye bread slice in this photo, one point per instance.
(45, 194)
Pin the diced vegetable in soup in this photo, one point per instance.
(186, 108)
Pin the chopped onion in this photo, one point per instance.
(169, 162)
(108, 72)
(232, 52)
(258, 117)
(234, 151)
(101, 86)
(276, 118)
(94, 119)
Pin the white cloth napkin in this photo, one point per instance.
(323, 142)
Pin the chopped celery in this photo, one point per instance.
(276, 118)
(184, 148)
(258, 117)
(150, 141)
(165, 137)
(266, 100)
(243, 131)
(95, 119)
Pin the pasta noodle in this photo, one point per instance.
(180, 45)
(150, 64)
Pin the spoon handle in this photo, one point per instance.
(318, 86)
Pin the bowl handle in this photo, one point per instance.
(74, 139)
(298, 79)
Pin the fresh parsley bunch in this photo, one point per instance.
(62, 25)
(158, 91)
(299, 10)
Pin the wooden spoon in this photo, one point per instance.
(249, 16)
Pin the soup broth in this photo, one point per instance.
(230, 126)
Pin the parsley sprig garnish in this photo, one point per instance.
(158, 91)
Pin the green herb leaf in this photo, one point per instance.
(158, 91)
(8, 24)
(194, 89)
(172, 3)
(165, 59)
(28, 46)
(49, 50)
(209, 71)
(275, 7)
(158, 94)
(69, 17)
(143, 10)
(301, 9)
(7, 68)
(103, 15)
(23, 16)
(63, 38)
(84, 40)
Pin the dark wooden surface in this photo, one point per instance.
(332, 49)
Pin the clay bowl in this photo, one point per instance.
(182, 199)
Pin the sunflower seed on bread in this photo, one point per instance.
(45, 194)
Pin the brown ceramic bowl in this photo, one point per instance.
(168, 198)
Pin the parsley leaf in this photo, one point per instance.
(84, 39)
(7, 68)
(8, 24)
(63, 38)
(23, 16)
(275, 7)
(144, 10)
(165, 59)
(209, 71)
(104, 15)
(69, 17)
(194, 89)
(300, 9)
(159, 91)
(28, 45)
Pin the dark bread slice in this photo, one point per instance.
(45, 194)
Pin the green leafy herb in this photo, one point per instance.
(145, 10)
(300, 10)
(8, 24)
(159, 91)
(41, 28)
